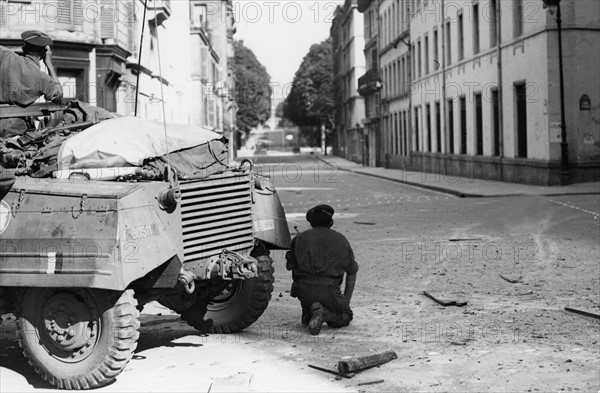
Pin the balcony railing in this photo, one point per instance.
(369, 83)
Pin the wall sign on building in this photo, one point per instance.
(585, 104)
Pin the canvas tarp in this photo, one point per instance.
(131, 141)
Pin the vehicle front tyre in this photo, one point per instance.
(238, 305)
(78, 338)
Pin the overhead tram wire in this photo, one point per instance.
(137, 79)
(162, 99)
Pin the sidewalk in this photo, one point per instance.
(460, 186)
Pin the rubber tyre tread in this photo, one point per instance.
(114, 349)
(255, 293)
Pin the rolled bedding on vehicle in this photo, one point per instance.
(192, 151)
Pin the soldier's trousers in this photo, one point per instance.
(330, 296)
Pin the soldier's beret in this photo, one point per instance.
(320, 214)
(36, 38)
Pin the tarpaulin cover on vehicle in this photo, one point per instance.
(80, 140)
(131, 141)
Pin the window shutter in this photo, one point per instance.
(77, 12)
(3, 15)
(204, 58)
(64, 12)
(211, 110)
(107, 19)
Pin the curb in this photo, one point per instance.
(451, 191)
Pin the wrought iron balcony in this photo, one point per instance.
(369, 83)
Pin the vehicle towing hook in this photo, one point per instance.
(186, 278)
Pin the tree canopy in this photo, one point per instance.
(253, 89)
(311, 99)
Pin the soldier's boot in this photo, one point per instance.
(320, 314)
(306, 315)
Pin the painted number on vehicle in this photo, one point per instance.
(141, 231)
(264, 225)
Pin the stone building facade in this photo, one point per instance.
(484, 97)
(97, 50)
(348, 41)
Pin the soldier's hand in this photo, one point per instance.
(48, 56)
(58, 94)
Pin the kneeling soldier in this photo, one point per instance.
(318, 259)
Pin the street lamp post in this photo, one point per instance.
(554, 6)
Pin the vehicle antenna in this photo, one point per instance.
(162, 99)
(137, 79)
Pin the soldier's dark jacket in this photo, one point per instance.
(321, 255)
(21, 80)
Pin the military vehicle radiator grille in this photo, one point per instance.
(216, 214)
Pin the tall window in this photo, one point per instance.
(374, 59)
(419, 58)
(199, 15)
(493, 27)
(405, 126)
(460, 38)
(448, 43)
(395, 80)
(478, 124)
(475, 28)
(450, 138)
(428, 128)
(438, 128)
(435, 46)
(416, 129)
(401, 72)
(426, 61)
(495, 123)
(463, 125)
(413, 62)
(396, 139)
(521, 119)
(517, 17)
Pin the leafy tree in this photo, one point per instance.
(310, 103)
(253, 89)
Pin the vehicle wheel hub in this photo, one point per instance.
(70, 324)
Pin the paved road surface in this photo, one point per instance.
(510, 337)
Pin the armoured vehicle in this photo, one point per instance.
(79, 257)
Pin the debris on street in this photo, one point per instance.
(511, 280)
(336, 373)
(444, 302)
(582, 312)
(365, 362)
(371, 382)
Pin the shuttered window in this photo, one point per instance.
(70, 14)
(134, 38)
(107, 19)
(204, 63)
(212, 103)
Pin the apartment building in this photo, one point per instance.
(369, 84)
(99, 59)
(348, 41)
(484, 96)
(394, 62)
(213, 77)
(489, 104)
